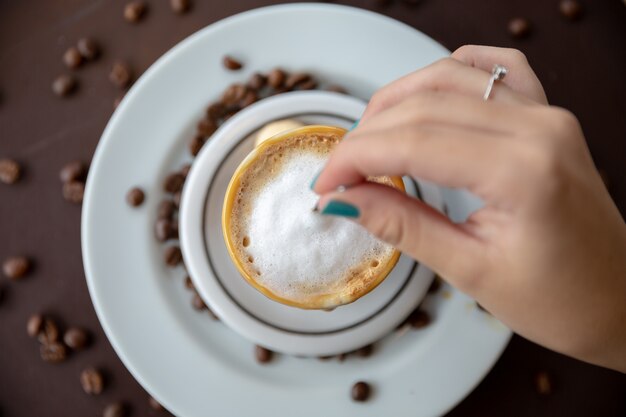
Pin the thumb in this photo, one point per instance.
(408, 224)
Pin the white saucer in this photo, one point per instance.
(197, 367)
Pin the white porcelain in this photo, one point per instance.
(197, 367)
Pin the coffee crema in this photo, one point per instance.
(280, 245)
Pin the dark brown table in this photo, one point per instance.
(582, 65)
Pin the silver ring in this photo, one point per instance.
(497, 73)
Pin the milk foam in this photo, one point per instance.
(296, 252)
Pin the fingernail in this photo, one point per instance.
(354, 125)
(314, 180)
(339, 208)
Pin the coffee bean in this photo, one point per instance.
(262, 354)
(365, 351)
(73, 171)
(196, 144)
(72, 58)
(336, 89)
(257, 81)
(296, 79)
(216, 111)
(173, 182)
(189, 283)
(180, 6)
(115, 410)
(250, 98)
(120, 75)
(360, 391)
(206, 127)
(74, 191)
(571, 9)
(435, 285)
(53, 352)
(173, 256)
(16, 267)
(49, 332)
(92, 381)
(10, 171)
(88, 48)
(34, 325)
(276, 78)
(64, 85)
(163, 230)
(176, 198)
(197, 302)
(76, 338)
(519, 27)
(154, 404)
(543, 383)
(184, 171)
(134, 11)
(166, 210)
(135, 197)
(234, 94)
(419, 319)
(231, 63)
(308, 85)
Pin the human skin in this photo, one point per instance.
(546, 254)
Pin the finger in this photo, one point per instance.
(520, 76)
(449, 156)
(411, 226)
(447, 74)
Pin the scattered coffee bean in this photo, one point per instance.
(234, 94)
(154, 404)
(53, 352)
(308, 85)
(419, 319)
(16, 267)
(34, 325)
(184, 171)
(176, 198)
(196, 144)
(215, 111)
(571, 9)
(173, 256)
(257, 81)
(163, 230)
(296, 79)
(231, 63)
(276, 78)
(64, 85)
(115, 410)
(135, 197)
(74, 191)
(543, 383)
(180, 6)
(76, 338)
(360, 391)
(337, 89)
(206, 127)
(435, 285)
(72, 58)
(173, 182)
(88, 48)
(49, 332)
(166, 210)
(519, 27)
(120, 74)
(250, 98)
(10, 171)
(189, 283)
(262, 354)
(197, 302)
(73, 171)
(92, 381)
(135, 11)
(365, 351)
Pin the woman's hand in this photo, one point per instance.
(547, 252)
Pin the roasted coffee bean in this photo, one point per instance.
(76, 338)
(10, 171)
(419, 319)
(120, 75)
(176, 198)
(230, 114)
(308, 85)
(196, 144)
(571, 9)
(16, 267)
(173, 182)
(180, 6)
(543, 383)
(49, 332)
(189, 283)
(88, 48)
(135, 11)
(92, 381)
(262, 354)
(54, 352)
(257, 81)
(434, 285)
(365, 351)
(172, 256)
(184, 171)
(74, 191)
(206, 127)
(72, 58)
(296, 79)
(231, 63)
(73, 171)
(135, 197)
(250, 98)
(519, 27)
(215, 111)
(276, 78)
(163, 230)
(154, 404)
(336, 89)
(64, 85)
(360, 391)
(34, 325)
(234, 94)
(197, 302)
(115, 410)
(166, 210)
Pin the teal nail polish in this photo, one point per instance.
(339, 208)
(354, 125)
(314, 180)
